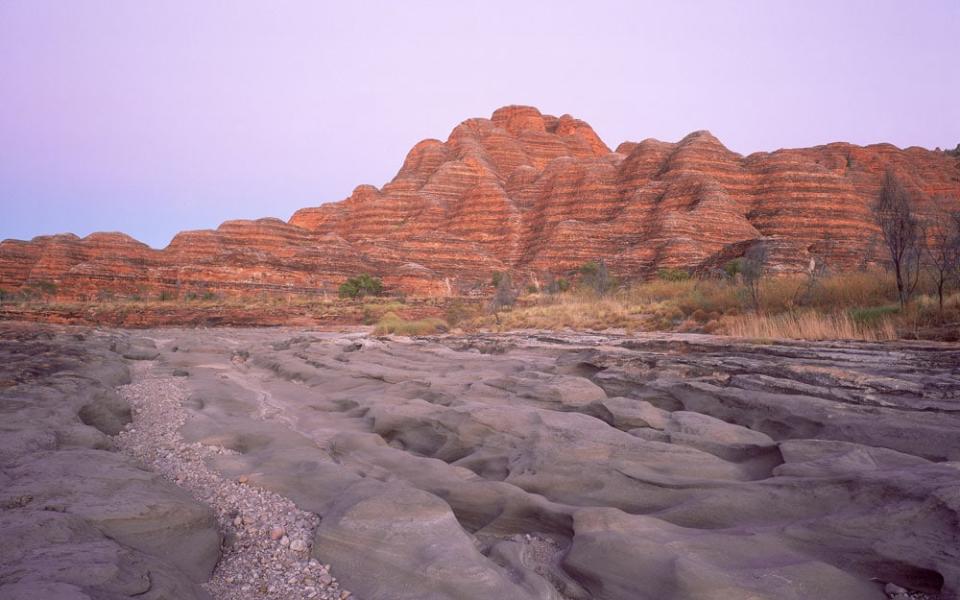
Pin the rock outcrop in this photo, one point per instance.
(77, 520)
(565, 466)
(521, 191)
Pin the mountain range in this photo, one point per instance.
(524, 192)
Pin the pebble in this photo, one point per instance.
(252, 566)
(893, 589)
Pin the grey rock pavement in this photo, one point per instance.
(523, 465)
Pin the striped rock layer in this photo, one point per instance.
(523, 192)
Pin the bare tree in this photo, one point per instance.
(941, 244)
(504, 296)
(816, 271)
(595, 274)
(752, 268)
(893, 213)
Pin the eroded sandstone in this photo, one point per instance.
(524, 192)
(569, 466)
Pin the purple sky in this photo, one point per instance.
(152, 117)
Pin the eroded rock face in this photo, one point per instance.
(77, 520)
(521, 191)
(662, 466)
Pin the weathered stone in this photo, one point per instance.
(521, 191)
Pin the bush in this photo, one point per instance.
(673, 274)
(556, 285)
(373, 312)
(871, 315)
(459, 311)
(532, 289)
(167, 295)
(360, 286)
(393, 323)
(733, 268)
(504, 296)
(41, 288)
(594, 274)
(496, 278)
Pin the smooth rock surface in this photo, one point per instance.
(76, 520)
(531, 465)
(577, 466)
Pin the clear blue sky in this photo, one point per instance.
(152, 117)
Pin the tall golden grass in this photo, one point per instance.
(394, 324)
(809, 325)
(572, 310)
(855, 305)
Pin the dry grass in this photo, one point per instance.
(391, 323)
(856, 305)
(809, 325)
(573, 311)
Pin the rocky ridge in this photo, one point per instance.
(520, 191)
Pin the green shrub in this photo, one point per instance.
(733, 267)
(37, 289)
(532, 289)
(167, 296)
(594, 274)
(360, 286)
(673, 274)
(496, 278)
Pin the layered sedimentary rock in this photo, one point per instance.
(525, 192)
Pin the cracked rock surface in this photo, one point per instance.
(531, 465)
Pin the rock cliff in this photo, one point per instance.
(520, 191)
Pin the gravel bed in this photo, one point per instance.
(267, 540)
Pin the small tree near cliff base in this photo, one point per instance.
(594, 274)
(504, 296)
(941, 245)
(752, 268)
(360, 286)
(901, 231)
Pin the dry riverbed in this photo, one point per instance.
(285, 463)
(266, 550)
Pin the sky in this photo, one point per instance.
(155, 117)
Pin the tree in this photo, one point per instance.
(504, 296)
(752, 268)
(941, 245)
(893, 213)
(360, 286)
(816, 271)
(555, 284)
(594, 273)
